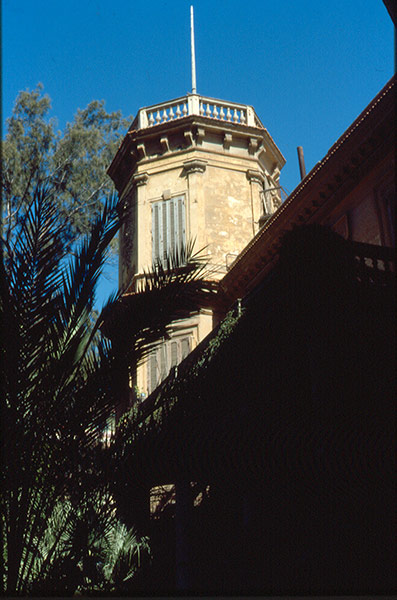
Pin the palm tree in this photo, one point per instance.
(61, 380)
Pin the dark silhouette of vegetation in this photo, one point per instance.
(61, 380)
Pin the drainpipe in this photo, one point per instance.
(301, 159)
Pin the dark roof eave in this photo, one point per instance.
(303, 188)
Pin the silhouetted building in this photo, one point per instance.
(275, 444)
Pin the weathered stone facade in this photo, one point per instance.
(219, 162)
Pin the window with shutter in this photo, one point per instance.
(163, 358)
(152, 372)
(185, 348)
(163, 362)
(174, 354)
(156, 231)
(168, 227)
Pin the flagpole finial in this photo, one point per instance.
(193, 54)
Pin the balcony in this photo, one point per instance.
(193, 104)
(375, 265)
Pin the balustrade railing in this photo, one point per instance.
(374, 264)
(193, 104)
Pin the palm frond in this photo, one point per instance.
(56, 374)
(171, 290)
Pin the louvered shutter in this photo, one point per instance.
(174, 354)
(163, 362)
(164, 230)
(168, 227)
(152, 372)
(156, 209)
(185, 346)
(179, 223)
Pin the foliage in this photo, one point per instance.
(58, 394)
(72, 164)
(124, 553)
(61, 380)
(170, 290)
(174, 392)
(86, 549)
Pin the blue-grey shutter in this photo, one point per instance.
(185, 346)
(165, 236)
(174, 354)
(152, 372)
(181, 222)
(163, 362)
(155, 231)
(168, 227)
(172, 238)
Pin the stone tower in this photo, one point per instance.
(194, 168)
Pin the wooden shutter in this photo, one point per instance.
(174, 354)
(168, 227)
(163, 362)
(172, 237)
(165, 232)
(152, 372)
(185, 348)
(156, 231)
(181, 222)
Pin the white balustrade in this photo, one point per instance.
(193, 104)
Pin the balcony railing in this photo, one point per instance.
(193, 104)
(374, 264)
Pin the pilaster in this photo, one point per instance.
(257, 182)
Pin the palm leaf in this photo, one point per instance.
(170, 290)
(61, 379)
(55, 389)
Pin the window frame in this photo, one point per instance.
(168, 226)
(161, 360)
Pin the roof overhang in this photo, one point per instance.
(367, 140)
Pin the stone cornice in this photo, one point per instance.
(192, 128)
(194, 165)
(140, 179)
(254, 176)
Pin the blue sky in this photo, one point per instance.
(308, 67)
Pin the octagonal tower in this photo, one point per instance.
(194, 168)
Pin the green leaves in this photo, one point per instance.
(56, 377)
(124, 553)
(61, 379)
(169, 291)
(71, 165)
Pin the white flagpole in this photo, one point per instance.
(194, 88)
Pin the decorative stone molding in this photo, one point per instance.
(194, 165)
(254, 176)
(253, 144)
(200, 134)
(141, 150)
(165, 144)
(188, 137)
(227, 140)
(140, 179)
